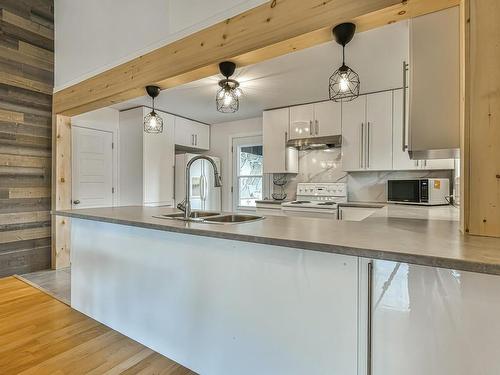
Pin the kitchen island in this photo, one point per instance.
(291, 295)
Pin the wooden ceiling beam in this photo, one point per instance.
(270, 30)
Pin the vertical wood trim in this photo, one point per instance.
(61, 189)
(481, 125)
(464, 115)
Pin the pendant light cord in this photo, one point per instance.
(343, 54)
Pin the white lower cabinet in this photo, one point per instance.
(431, 321)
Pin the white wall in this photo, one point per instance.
(221, 136)
(106, 119)
(94, 35)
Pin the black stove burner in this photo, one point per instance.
(300, 202)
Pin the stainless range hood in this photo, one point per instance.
(316, 143)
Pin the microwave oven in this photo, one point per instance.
(425, 191)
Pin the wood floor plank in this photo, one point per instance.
(41, 335)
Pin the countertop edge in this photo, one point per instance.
(380, 254)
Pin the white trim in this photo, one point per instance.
(265, 178)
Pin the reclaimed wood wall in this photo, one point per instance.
(26, 85)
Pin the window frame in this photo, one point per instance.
(237, 144)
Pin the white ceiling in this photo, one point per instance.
(299, 77)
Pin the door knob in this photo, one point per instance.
(76, 201)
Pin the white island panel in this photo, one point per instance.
(434, 321)
(219, 306)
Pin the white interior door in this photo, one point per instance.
(92, 172)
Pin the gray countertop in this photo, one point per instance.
(437, 243)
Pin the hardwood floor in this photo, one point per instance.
(41, 335)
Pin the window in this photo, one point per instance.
(247, 180)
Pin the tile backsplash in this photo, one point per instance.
(326, 166)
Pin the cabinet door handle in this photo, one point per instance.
(192, 139)
(310, 127)
(76, 201)
(286, 151)
(196, 139)
(368, 145)
(369, 319)
(362, 146)
(405, 69)
(317, 127)
(173, 184)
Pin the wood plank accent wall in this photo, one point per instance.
(26, 82)
(481, 117)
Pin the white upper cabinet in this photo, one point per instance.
(353, 139)
(327, 118)
(191, 134)
(401, 159)
(277, 157)
(315, 120)
(367, 132)
(378, 134)
(301, 121)
(434, 74)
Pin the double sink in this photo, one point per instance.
(212, 217)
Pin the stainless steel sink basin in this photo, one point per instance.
(211, 217)
(232, 219)
(194, 215)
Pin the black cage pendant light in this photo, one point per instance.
(228, 96)
(153, 123)
(344, 82)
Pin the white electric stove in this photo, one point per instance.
(317, 200)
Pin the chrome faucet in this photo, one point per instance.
(186, 204)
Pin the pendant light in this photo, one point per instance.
(153, 123)
(344, 82)
(228, 95)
